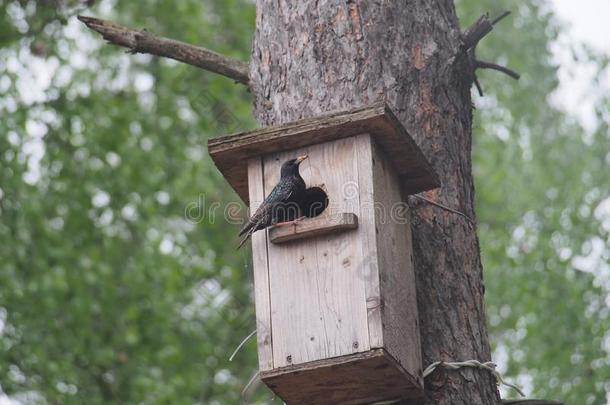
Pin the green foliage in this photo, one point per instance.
(541, 183)
(111, 293)
(108, 292)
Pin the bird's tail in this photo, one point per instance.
(244, 229)
(244, 239)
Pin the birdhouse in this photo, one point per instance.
(336, 309)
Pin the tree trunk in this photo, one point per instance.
(311, 57)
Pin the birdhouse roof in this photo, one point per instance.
(231, 153)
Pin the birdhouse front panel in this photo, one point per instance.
(317, 294)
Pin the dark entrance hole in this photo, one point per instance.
(314, 202)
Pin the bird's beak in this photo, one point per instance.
(301, 158)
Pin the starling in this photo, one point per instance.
(282, 204)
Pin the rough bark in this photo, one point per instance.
(315, 56)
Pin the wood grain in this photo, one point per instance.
(311, 227)
(360, 378)
(260, 264)
(333, 295)
(231, 152)
(318, 307)
(368, 270)
(397, 282)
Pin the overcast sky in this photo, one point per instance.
(588, 23)
(588, 20)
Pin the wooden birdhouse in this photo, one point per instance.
(335, 295)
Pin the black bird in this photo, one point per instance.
(282, 204)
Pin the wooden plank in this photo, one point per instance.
(397, 275)
(261, 270)
(318, 306)
(322, 127)
(311, 227)
(352, 379)
(368, 270)
(231, 152)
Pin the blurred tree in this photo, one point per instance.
(110, 292)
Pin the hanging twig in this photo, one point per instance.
(478, 86)
(254, 381)
(243, 342)
(429, 201)
(142, 41)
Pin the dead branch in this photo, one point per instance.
(486, 65)
(476, 32)
(472, 36)
(478, 86)
(500, 17)
(480, 29)
(142, 41)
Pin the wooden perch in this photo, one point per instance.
(470, 39)
(142, 41)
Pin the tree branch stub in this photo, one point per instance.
(476, 32)
(470, 39)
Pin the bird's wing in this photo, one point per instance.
(280, 193)
(261, 214)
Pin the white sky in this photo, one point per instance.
(587, 22)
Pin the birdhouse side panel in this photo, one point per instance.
(318, 301)
(397, 276)
(368, 270)
(260, 269)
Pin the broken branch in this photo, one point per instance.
(480, 28)
(142, 41)
(471, 38)
(476, 32)
(500, 17)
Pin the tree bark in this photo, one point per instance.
(315, 56)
